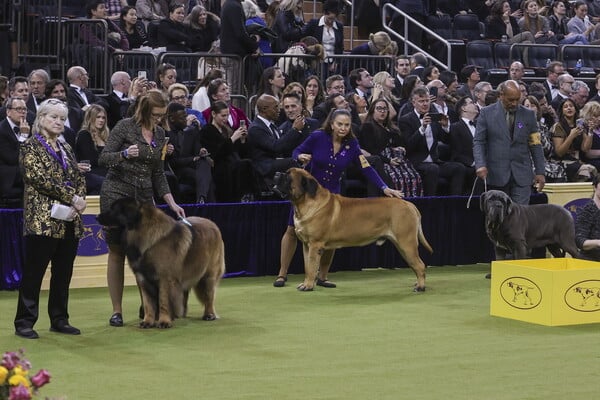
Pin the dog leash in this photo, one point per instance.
(185, 221)
(473, 189)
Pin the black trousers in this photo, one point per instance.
(41, 250)
(452, 172)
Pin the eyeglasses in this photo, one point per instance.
(19, 109)
(178, 98)
(381, 109)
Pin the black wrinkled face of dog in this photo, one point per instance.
(282, 184)
(496, 205)
(124, 213)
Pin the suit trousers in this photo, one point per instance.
(452, 172)
(39, 251)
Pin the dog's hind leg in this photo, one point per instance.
(410, 253)
(206, 291)
(164, 306)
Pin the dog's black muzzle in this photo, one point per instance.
(282, 184)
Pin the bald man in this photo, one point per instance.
(507, 140)
(270, 148)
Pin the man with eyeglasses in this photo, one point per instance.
(580, 92)
(179, 93)
(18, 88)
(14, 130)
(333, 85)
(554, 70)
(565, 82)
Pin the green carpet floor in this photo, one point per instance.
(371, 338)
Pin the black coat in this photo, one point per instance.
(234, 37)
(173, 35)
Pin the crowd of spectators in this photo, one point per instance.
(415, 125)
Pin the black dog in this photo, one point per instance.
(515, 228)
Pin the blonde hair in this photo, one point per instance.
(382, 42)
(590, 110)
(177, 86)
(45, 108)
(89, 123)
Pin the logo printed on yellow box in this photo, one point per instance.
(584, 296)
(521, 293)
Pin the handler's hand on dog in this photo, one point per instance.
(392, 193)
(304, 158)
(178, 210)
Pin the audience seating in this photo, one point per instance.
(467, 27)
(481, 53)
(538, 56)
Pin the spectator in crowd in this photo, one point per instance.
(571, 141)
(190, 161)
(554, 170)
(298, 89)
(172, 33)
(480, 91)
(200, 100)
(133, 157)
(317, 153)
(430, 73)
(558, 24)
(502, 21)
(437, 89)
(411, 82)
(272, 82)
(340, 102)
(590, 114)
(548, 116)
(57, 89)
(334, 84)
(329, 31)
(14, 130)
(461, 139)
(471, 75)
(203, 28)
(296, 121)
(166, 75)
(134, 28)
(553, 71)
(152, 10)
(423, 135)
(90, 142)
(288, 24)
(383, 87)
(268, 144)
(587, 225)
(37, 80)
(379, 136)
(418, 62)
(358, 105)
(402, 68)
(218, 90)
(114, 7)
(516, 71)
(234, 176)
(179, 93)
(78, 94)
(315, 94)
(3, 89)
(510, 163)
(580, 92)
(361, 82)
(536, 24)
(565, 88)
(253, 17)
(18, 88)
(92, 34)
(580, 23)
(379, 44)
(449, 79)
(50, 179)
(118, 100)
(234, 39)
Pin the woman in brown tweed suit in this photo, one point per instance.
(52, 181)
(133, 155)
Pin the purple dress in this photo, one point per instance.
(327, 167)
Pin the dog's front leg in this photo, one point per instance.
(148, 302)
(312, 256)
(164, 303)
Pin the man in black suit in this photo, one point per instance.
(78, 94)
(14, 130)
(422, 137)
(118, 100)
(554, 70)
(461, 138)
(18, 88)
(37, 79)
(361, 82)
(296, 124)
(402, 71)
(565, 89)
(418, 62)
(268, 145)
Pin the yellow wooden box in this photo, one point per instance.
(550, 291)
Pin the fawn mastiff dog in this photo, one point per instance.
(515, 228)
(325, 221)
(168, 259)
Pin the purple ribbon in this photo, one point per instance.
(61, 160)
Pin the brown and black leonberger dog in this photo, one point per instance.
(326, 221)
(168, 258)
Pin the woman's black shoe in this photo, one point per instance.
(116, 319)
(26, 333)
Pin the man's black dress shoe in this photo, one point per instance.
(27, 333)
(66, 329)
(116, 319)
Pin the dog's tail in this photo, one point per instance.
(422, 238)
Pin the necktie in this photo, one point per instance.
(472, 123)
(17, 131)
(274, 130)
(421, 116)
(510, 121)
(554, 86)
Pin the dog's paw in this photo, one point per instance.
(209, 317)
(165, 324)
(305, 287)
(419, 289)
(146, 324)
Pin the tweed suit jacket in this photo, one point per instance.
(505, 157)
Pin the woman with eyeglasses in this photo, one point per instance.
(379, 136)
(327, 153)
(134, 155)
(53, 203)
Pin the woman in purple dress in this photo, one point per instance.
(327, 153)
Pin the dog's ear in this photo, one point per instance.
(310, 185)
(509, 204)
(483, 200)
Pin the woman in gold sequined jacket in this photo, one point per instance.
(134, 157)
(52, 179)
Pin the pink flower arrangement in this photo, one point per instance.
(15, 382)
